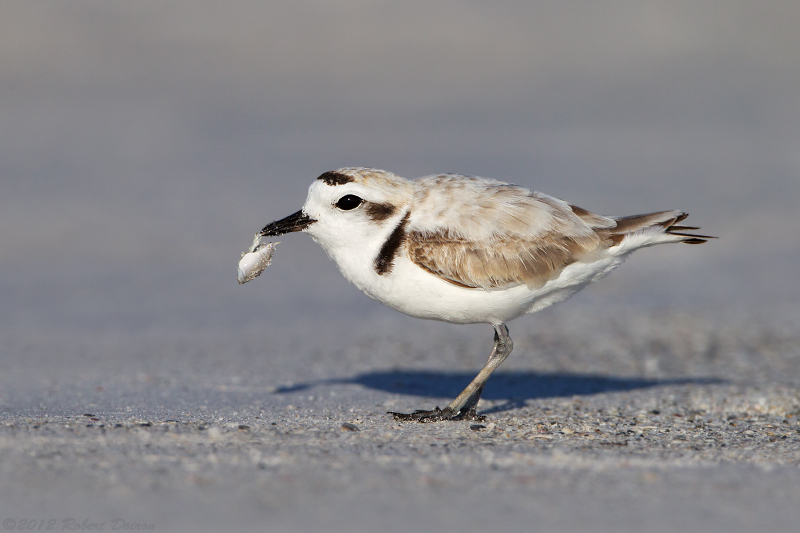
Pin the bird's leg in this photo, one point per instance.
(463, 407)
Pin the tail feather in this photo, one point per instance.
(648, 220)
(665, 219)
(690, 238)
(683, 228)
(614, 229)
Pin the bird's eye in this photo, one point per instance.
(348, 202)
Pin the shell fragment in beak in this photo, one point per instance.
(255, 260)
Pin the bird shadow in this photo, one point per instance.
(513, 388)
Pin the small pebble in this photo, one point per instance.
(350, 427)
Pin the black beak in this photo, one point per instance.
(296, 222)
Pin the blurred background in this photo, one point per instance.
(142, 144)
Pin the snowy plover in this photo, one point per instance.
(467, 250)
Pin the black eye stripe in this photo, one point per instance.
(378, 212)
(348, 202)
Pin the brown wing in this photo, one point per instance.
(499, 264)
(497, 236)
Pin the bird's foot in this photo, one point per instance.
(438, 415)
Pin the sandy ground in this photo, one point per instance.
(660, 421)
(142, 144)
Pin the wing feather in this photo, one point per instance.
(491, 235)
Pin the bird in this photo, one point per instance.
(464, 249)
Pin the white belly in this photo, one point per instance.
(413, 291)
